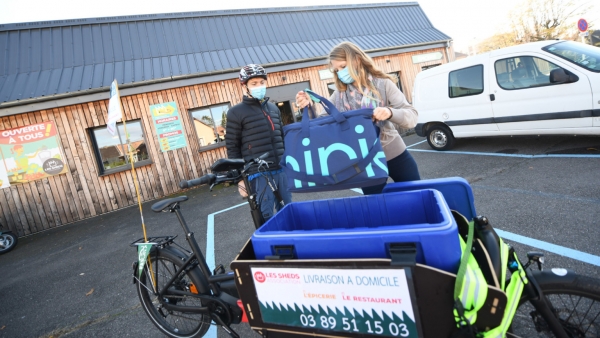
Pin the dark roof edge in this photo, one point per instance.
(144, 17)
(127, 89)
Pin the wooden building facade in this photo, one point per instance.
(88, 189)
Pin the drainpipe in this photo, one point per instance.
(448, 52)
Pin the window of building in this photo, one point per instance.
(210, 123)
(523, 72)
(112, 150)
(430, 66)
(396, 75)
(466, 82)
(331, 88)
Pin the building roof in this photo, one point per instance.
(43, 61)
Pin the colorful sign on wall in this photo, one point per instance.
(168, 126)
(30, 153)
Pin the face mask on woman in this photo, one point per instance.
(258, 92)
(344, 76)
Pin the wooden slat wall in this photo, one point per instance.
(82, 193)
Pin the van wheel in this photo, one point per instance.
(440, 137)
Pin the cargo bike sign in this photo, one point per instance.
(376, 302)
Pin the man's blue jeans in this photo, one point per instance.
(265, 195)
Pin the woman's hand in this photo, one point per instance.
(302, 100)
(381, 114)
(242, 189)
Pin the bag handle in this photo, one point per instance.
(329, 107)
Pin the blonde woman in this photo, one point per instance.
(360, 84)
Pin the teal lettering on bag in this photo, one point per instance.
(308, 161)
(325, 152)
(295, 167)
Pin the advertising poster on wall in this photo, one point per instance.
(30, 153)
(168, 126)
(365, 301)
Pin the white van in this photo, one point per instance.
(548, 87)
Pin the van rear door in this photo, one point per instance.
(525, 99)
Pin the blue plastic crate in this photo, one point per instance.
(364, 227)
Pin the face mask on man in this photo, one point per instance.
(258, 92)
(344, 76)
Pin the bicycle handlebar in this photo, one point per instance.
(219, 178)
(206, 179)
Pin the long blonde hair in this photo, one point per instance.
(359, 65)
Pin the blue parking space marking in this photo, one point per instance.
(416, 144)
(503, 155)
(557, 249)
(545, 246)
(210, 254)
(539, 193)
(210, 236)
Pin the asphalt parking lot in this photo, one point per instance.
(75, 281)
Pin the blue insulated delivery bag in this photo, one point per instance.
(335, 152)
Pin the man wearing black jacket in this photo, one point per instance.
(254, 128)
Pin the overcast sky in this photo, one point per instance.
(466, 21)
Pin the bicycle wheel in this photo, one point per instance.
(173, 323)
(575, 300)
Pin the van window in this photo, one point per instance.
(466, 81)
(582, 55)
(523, 72)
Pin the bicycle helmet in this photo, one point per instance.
(249, 71)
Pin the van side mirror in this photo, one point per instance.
(560, 75)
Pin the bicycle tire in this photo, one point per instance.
(574, 298)
(172, 323)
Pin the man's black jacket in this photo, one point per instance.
(254, 128)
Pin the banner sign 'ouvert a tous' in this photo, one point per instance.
(30, 153)
(368, 301)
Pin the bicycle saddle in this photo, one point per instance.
(227, 164)
(162, 205)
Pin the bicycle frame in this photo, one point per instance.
(540, 303)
